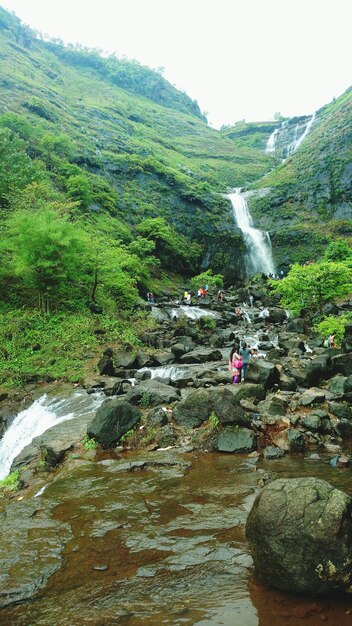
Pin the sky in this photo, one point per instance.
(240, 59)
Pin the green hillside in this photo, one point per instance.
(307, 200)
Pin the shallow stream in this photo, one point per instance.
(163, 544)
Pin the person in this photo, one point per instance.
(254, 353)
(250, 298)
(331, 341)
(245, 356)
(199, 294)
(150, 297)
(235, 364)
(221, 295)
(188, 298)
(185, 295)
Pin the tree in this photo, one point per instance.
(338, 250)
(16, 168)
(207, 278)
(310, 286)
(46, 252)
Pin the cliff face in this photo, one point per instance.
(307, 199)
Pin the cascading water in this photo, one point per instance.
(39, 417)
(285, 139)
(258, 243)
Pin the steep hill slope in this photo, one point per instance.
(130, 132)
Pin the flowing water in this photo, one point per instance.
(40, 416)
(260, 259)
(281, 142)
(164, 545)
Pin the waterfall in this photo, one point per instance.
(39, 417)
(285, 139)
(271, 144)
(258, 243)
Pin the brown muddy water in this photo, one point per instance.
(162, 545)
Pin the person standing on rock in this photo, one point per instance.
(245, 354)
(235, 364)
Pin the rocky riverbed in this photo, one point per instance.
(107, 524)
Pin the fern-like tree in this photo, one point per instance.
(46, 252)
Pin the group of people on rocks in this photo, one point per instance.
(239, 359)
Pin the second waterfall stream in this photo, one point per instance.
(259, 253)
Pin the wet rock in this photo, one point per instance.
(202, 355)
(263, 373)
(295, 440)
(163, 357)
(273, 452)
(27, 565)
(235, 439)
(152, 393)
(339, 385)
(300, 532)
(312, 423)
(199, 405)
(343, 364)
(318, 369)
(341, 410)
(314, 395)
(112, 420)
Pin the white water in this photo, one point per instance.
(274, 139)
(193, 312)
(171, 371)
(39, 417)
(260, 259)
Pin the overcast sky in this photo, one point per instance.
(240, 59)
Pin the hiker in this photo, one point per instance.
(245, 354)
(150, 297)
(235, 364)
(331, 341)
(250, 298)
(221, 295)
(199, 294)
(188, 298)
(254, 353)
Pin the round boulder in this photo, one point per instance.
(300, 536)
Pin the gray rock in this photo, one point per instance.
(341, 410)
(296, 440)
(273, 452)
(313, 395)
(300, 536)
(235, 439)
(199, 405)
(201, 355)
(112, 420)
(312, 423)
(262, 372)
(152, 393)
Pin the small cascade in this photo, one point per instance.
(259, 256)
(171, 371)
(285, 139)
(193, 312)
(39, 417)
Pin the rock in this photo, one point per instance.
(199, 405)
(163, 357)
(339, 385)
(319, 368)
(112, 420)
(300, 531)
(106, 365)
(262, 372)
(295, 440)
(158, 416)
(201, 355)
(347, 339)
(313, 395)
(343, 364)
(235, 439)
(341, 410)
(311, 422)
(152, 393)
(273, 452)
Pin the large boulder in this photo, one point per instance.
(300, 536)
(198, 406)
(112, 420)
(152, 393)
(263, 373)
(201, 355)
(235, 439)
